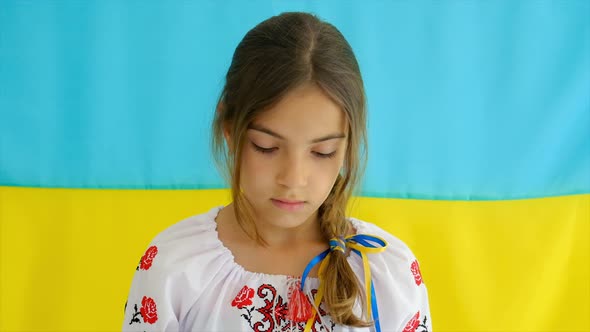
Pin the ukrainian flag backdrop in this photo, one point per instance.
(479, 124)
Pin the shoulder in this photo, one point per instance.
(399, 286)
(199, 224)
(171, 274)
(397, 253)
(190, 240)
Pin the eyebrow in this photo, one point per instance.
(316, 140)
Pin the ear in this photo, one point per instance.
(226, 126)
(220, 106)
(227, 137)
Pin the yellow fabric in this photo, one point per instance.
(67, 256)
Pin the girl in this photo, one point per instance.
(290, 130)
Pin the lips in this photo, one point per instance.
(288, 201)
(288, 205)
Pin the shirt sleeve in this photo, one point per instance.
(179, 263)
(416, 316)
(402, 296)
(154, 300)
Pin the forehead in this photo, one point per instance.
(305, 113)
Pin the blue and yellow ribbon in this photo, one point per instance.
(362, 245)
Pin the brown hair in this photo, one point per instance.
(276, 56)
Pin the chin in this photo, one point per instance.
(287, 219)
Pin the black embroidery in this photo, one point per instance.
(423, 326)
(136, 315)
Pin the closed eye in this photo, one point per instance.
(325, 155)
(263, 150)
(271, 150)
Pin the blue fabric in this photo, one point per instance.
(467, 99)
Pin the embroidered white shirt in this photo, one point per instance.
(187, 280)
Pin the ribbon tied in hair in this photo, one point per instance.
(338, 244)
(361, 244)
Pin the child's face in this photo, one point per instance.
(291, 167)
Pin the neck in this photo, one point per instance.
(309, 232)
(279, 237)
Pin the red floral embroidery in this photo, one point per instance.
(280, 311)
(416, 272)
(148, 258)
(270, 313)
(244, 298)
(413, 324)
(148, 310)
(268, 293)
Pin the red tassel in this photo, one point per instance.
(299, 307)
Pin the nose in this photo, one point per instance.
(293, 172)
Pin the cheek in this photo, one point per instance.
(252, 170)
(325, 176)
(253, 163)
